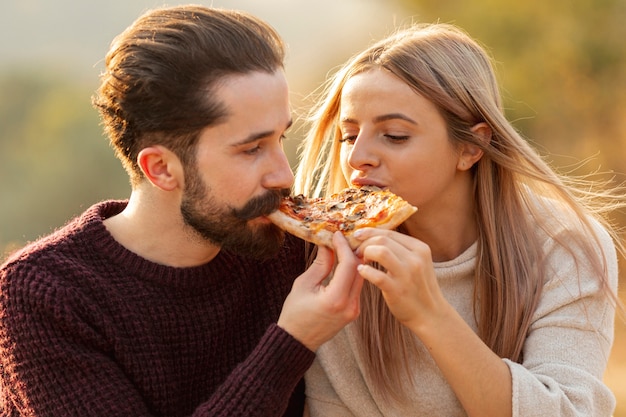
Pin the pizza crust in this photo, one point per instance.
(290, 225)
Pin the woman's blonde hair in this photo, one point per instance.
(443, 64)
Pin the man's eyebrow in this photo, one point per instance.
(260, 135)
(383, 118)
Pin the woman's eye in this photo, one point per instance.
(347, 139)
(397, 138)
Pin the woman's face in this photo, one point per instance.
(394, 138)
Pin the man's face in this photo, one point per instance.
(228, 227)
(241, 170)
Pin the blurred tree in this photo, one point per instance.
(562, 68)
(562, 65)
(54, 160)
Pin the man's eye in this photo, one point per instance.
(252, 151)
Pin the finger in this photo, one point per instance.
(346, 284)
(373, 275)
(342, 247)
(320, 268)
(369, 233)
(355, 290)
(383, 253)
(345, 271)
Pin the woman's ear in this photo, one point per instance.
(470, 153)
(161, 167)
(483, 130)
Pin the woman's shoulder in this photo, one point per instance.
(556, 219)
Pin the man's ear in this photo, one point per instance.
(161, 167)
(470, 153)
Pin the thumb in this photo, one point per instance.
(320, 268)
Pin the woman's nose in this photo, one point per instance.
(363, 152)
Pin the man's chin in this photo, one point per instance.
(264, 241)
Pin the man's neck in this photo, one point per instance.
(152, 227)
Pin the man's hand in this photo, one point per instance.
(313, 312)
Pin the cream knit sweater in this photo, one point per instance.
(565, 354)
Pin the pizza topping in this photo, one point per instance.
(315, 219)
(342, 211)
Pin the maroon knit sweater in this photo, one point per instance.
(87, 328)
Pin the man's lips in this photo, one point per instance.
(262, 205)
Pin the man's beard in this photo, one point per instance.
(228, 227)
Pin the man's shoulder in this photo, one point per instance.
(62, 249)
(34, 271)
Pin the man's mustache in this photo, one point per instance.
(261, 205)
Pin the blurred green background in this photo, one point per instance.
(562, 67)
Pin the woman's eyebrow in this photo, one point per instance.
(393, 116)
(383, 118)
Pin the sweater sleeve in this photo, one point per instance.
(567, 349)
(260, 384)
(56, 360)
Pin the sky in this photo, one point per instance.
(72, 36)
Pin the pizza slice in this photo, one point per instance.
(316, 219)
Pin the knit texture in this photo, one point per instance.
(565, 353)
(88, 328)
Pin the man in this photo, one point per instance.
(169, 304)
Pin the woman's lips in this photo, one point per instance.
(361, 182)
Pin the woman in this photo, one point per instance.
(497, 298)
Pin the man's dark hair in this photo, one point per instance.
(160, 72)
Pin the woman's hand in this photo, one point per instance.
(407, 279)
(479, 378)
